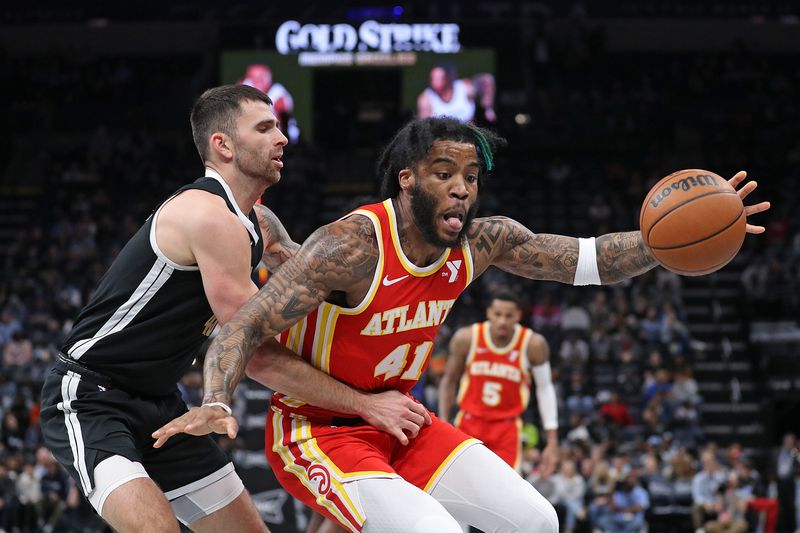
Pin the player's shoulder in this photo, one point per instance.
(463, 334)
(199, 211)
(353, 236)
(538, 345)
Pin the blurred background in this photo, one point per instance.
(662, 381)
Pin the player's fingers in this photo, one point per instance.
(749, 187)
(160, 442)
(737, 178)
(168, 430)
(756, 208)
(416, 419)
(422, 411)
(755, 229)
(232, 430)
(231, 427)
(399, 435)
(413, 429)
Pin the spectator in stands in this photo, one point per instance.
(686, 424)
(570, 489)
(650, 328)
(8, 498)
(576, 319)
(546, 317)
(55, 488)
(578, 393)
(601, 488)
(614, 410)
(30, 495)
(732, 503)
(674, 333)
(787, 468)
(705, 488)
(8, 326)
(574, 352)
(600, 345)
(600, 312)
(18, 351)
(684, 387)
(628, 505)
(661, 384)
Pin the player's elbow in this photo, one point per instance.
(258, 368)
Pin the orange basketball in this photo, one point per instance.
(693, 221)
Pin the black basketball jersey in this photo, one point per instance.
(149, 316)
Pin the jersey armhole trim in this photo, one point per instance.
(157, 250)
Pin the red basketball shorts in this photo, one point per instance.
(314, 461)
(502, 436)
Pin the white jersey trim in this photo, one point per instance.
(501, 350)
(376, 276)
(124, 315)
(157, 250)
(229, 193)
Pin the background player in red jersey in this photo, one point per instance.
(493, 361)
(386, 275)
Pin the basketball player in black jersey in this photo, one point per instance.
(187, 268)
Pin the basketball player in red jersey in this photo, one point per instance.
(494, 361)
(362, 300)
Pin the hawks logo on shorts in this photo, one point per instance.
(496, 382)
(384, 342)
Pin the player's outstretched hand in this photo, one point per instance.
(198, 421)
(749, 187)
(396, 414)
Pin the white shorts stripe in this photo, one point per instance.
(69, 390)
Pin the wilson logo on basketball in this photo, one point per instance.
(320, 475)
(684, 184)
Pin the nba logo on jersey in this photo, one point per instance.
(452, 267)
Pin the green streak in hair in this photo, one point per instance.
(483, 145)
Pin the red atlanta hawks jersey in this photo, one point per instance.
(386, 340)
(496, 382)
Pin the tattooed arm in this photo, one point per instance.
(336, 257)
(509, 245)
(278, 246)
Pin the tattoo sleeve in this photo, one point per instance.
(509, 245)
(333, 258)
(278, 246)
(622, 255)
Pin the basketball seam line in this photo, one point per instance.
(735, 220)
(659, 219)
(713, 268)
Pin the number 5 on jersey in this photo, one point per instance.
(491, 393)
(393, 364)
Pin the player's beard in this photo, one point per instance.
(257, 165)
(423, 207)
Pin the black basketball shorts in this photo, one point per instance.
(85, 420)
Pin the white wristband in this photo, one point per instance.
(586, 273)
(219, 404)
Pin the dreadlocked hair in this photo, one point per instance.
(412, 143)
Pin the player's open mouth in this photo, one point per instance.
(277, 161)
(454, 220)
